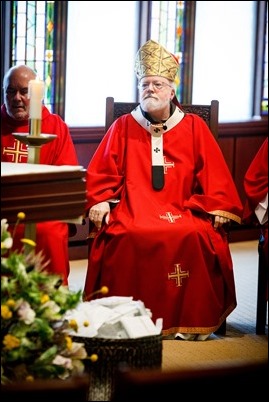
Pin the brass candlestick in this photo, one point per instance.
(34, 140)
(34, 143)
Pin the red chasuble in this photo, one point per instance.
(51, 237)
(159, 246)
(256, 188)
(256, 182)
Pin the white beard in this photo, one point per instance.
(150, 104)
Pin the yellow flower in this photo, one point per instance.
(69, 342)
(6, 314)
(44, 299)
(29, 242)
(21, 215)
(11, 342)
(11, 303)
(93, 358)
(73, 324)
(104, 290)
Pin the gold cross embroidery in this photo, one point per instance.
(178, 275)
(167, 165)
(17, 151)
(170, 217)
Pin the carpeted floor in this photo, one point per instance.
(231, 349)
(240, 344)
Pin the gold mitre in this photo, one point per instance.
(154, 59)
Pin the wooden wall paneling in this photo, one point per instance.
(227, 147)
(84, 153)
(86, 140)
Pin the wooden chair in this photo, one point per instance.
(262, 288)
(210, 113)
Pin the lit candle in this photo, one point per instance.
(36, 94)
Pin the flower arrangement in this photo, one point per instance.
(35, 340)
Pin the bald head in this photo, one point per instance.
(15, 86)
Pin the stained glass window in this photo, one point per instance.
(167, 28)
(32, 40)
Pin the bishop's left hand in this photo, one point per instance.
(219, 221)
(97, 213)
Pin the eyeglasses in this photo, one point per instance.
(157, 85)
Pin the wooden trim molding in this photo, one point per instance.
(244, 128)
(233, 129)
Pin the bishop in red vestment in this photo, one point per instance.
(51, 237)
(256, 189)
(156, 187)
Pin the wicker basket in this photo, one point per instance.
(144, 353)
